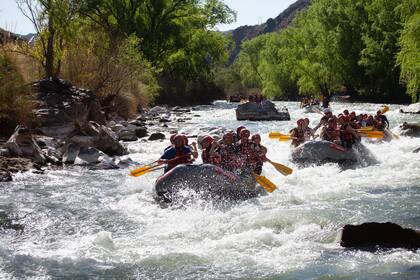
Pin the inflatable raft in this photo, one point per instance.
(312, 109)
(207, 181)
(324, 151)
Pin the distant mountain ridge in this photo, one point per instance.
(7, 36)
(247, 32)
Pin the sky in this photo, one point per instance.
(249, 12)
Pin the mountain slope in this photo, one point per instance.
(247, 32)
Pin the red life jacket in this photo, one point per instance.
(205, 156)
(180, 158)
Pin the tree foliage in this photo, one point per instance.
(339, 45)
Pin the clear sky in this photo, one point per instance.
(250, 12)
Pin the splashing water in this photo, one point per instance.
(104, 224)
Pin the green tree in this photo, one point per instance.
(409, 56)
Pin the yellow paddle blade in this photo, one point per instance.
(140, 170)
(372, 134)
(384, 109)
(276, 134)
(283, 169)
(265, 183)
(366, 128)
(143, 170)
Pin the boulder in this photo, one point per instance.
(137, 123)
(164, 120)
(14, 165)
(107, 141)
(117, 128)
(23, 144)
(89, 156)
(157, 110)
(5, 176)
(410, 129)
(141, 132)
(156, 136)
(70, 153)
(416, 150)
(62, 108)
(371, 235)
(411, 109)
(128, 133)
(263, 111)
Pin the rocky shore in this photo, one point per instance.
(70, 127)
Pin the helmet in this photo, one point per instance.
(239, 128)
(172, 138)
(207, 138)
(243, 132)
(178, 137)
(327, 110)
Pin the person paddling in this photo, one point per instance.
(298, 134)
(258, 153)
(206, 144)
(178, 154)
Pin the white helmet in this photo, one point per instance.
(327, 110)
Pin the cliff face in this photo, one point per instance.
(247, 32)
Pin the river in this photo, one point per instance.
(89, 224)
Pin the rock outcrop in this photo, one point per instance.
(262, 111)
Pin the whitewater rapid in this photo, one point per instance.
(90, 224)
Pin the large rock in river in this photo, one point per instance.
(207, 181)
(324, 151)
(262, 111)
(410, 129)
(411, 109)
(371, 235)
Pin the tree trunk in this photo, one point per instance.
(49, 53)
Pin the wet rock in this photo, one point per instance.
(181, 110)
(23, 144)
(416, 150)
(164, 120)
(127, 135)
(14, 165)
(388, 235)
(89, 156)
(410, 129)
(264, 111)
(107, 141)
(70, 154)
(141, 132)
(4, 152)
(156, 136)
(411, 109)
(7, 223)
(137, 123)
(157, 110)
(141, 118)
(117, 128)
(5, 176)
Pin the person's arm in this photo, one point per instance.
(195, 150)
(213, 148)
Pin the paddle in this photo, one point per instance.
(372, 134)
(283, 169)
(143, 168)
(276, 134)
(265, 183)
(384, 109)
(154, 168)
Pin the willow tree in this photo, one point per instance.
(52, 20)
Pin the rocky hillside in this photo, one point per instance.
(247, 32)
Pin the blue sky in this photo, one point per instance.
(250, 12)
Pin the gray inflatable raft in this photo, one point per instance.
(324, 151)
(206, 180)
